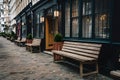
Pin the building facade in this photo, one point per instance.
(23, 17)
(1, 17)
(12, 15)
(91, 21)
(45, 23)
(4, 16)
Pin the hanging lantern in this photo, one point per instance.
(56, 13)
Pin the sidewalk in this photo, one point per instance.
(18, 64)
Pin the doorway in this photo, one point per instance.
(51, 30)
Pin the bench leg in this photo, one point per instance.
(57, 57)
(89, 73)
(31, 49)
(35, 49)
(97, 68)
(26, 47)
(81, 70)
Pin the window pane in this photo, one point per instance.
(102, 18)
(75, 28)
(87, 20)
(41, 30)
(74, 8)
(24, 27)
(86, 8)
(87, 27)
(37, 26)
(67, 18)
(24, 31)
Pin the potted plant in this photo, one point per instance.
(13, 36)
(58, 41)
(29, 38)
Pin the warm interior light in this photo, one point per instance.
(41, 19)
(14, 21)
(22, 23)
(103, 17)
(88, 19)
(56, 13)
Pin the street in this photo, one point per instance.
(18, 64)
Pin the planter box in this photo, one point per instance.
(57, 45)
(29, 41)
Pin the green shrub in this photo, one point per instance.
(58, 37)
(29, 36)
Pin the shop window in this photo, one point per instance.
(37, 26)
(75, 26)
(24, 27)
(102, 26)
(87, 19)
(19, 29)
(67, 18)
(24, 31)
(41, 30)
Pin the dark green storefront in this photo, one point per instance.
(92, 21)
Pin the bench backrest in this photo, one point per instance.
(18, 38)
(36, 41)
(23, 39)
(84, 49)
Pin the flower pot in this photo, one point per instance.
(57, 45)
(29, 41)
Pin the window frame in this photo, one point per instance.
(80, 12)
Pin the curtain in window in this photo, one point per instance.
(24, 27)
(102, 8)
(67, 18)
(87, 19)
(75, 26)
(37, 26)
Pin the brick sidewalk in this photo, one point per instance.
(18, 64)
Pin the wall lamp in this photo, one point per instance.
(56, 13)
(23, 23)
(41, 19)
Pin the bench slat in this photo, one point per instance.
(82, 47)
(82, 50)
(74, 56)
(115, 73)
(80, 53)
(83, 44)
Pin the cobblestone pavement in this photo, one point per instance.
(18, 64)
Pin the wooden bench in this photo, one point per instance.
(34, 46)
(116, 73)
(16, 41)
(85, 53)
(21, 42)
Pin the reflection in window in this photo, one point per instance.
(37, 26)
(75, 26)
(75, 29)
(102, 18)
(67, 18)
(41, 30)
(24, 31)
(87, 20)
(87, 27)
(74, 8)
(86, 8)
(24, 27)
